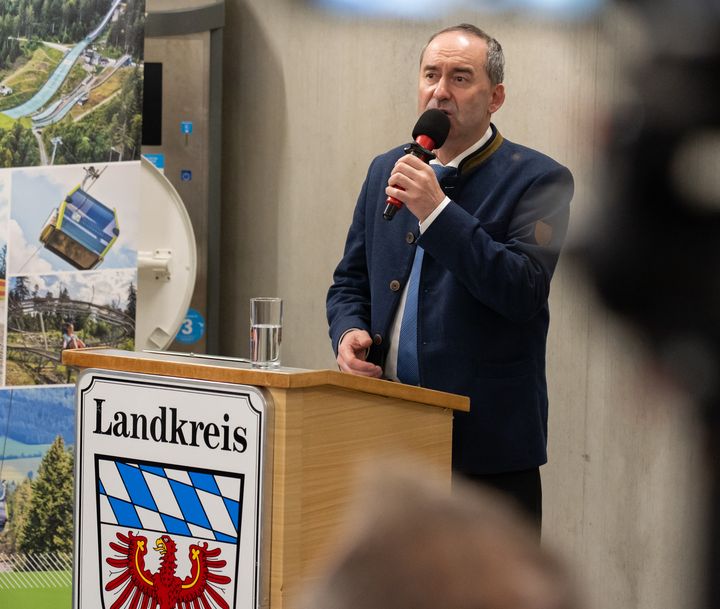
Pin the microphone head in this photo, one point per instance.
(434, 124)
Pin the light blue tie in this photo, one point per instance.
(408, 370)
(407, 364)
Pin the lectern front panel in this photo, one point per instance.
(170, 492)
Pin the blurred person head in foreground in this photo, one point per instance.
(411, 544)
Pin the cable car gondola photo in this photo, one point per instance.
(82, 230)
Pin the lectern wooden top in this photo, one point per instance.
(228, 370)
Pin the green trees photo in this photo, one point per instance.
(18, 147)
(114, 126)
(104, 126)
(40, 511)
(54, 20)
(18, 504)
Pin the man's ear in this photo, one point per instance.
(497, 99)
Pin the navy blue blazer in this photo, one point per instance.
(483, 299)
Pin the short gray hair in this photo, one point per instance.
(495, 65)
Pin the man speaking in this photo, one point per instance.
(450, 290)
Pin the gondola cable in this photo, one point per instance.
(91, 173)
(68, 151)
(24, 264)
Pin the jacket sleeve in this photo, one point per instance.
(508, 272)
(348, 299)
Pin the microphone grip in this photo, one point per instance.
(422, 149)
(391, 207)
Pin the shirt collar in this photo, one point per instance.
(467, 152)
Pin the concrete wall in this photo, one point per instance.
(309, 100)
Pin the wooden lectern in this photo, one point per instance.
(325, 424)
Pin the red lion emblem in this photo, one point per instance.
(164, 590)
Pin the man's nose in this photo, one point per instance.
(441, 90)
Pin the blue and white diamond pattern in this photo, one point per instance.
(199, 504)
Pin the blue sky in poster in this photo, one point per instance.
(38, 414)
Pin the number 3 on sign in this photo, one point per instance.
(192, 328)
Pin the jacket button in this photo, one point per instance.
(394, 285)
(410, 238)
(377, 339)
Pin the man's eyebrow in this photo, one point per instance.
(463, 70)
(457, 70)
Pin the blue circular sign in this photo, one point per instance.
(192, 328)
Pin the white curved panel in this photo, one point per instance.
(167, 261)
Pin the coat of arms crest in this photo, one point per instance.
(169, 535)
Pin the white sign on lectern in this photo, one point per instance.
(169, 493)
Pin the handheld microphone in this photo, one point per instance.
(430, 132)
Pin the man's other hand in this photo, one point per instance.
(352, 352)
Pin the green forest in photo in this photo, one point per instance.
(40, 509)
(105, 124)
(40, 522)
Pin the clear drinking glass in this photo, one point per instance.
(265, 331)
